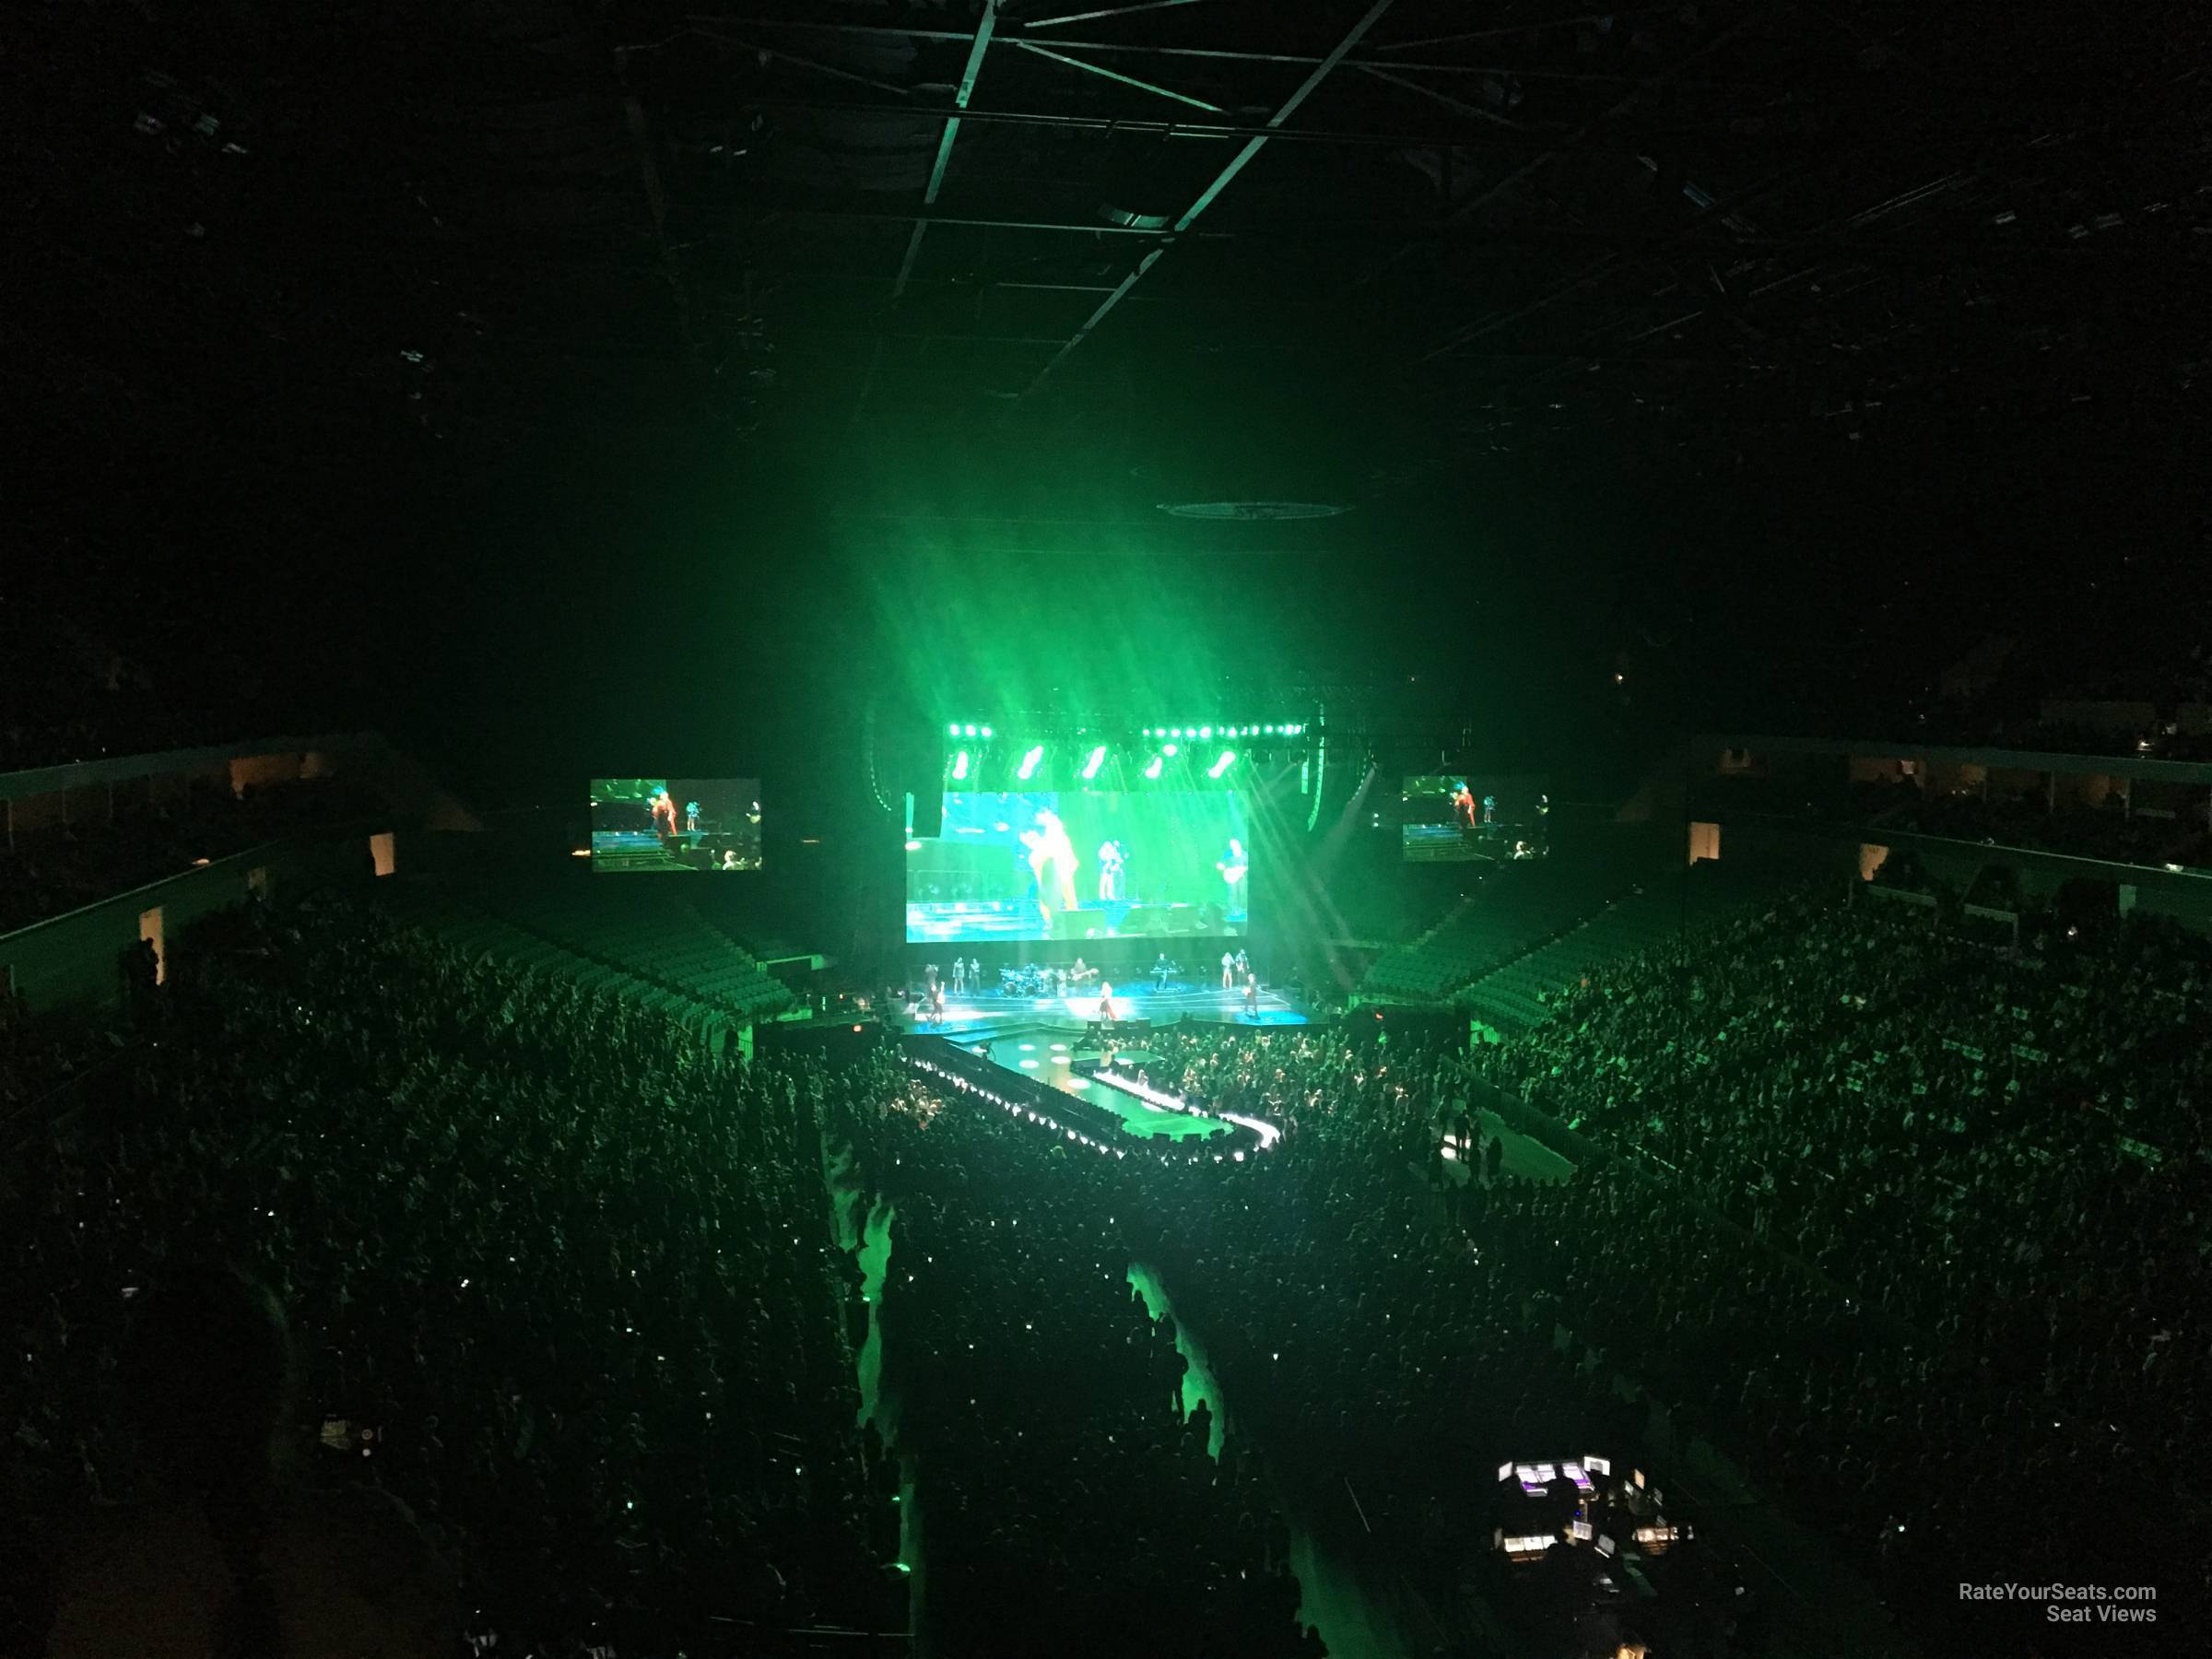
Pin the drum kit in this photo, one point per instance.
(1034, 979)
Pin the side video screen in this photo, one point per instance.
(1464, 817)
(1105, 864)
(651, 824)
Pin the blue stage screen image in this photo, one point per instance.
(662, 825)
(1054, 864)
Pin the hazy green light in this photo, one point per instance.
(1090, 766)
(1029, 762)
(1152, 767)
(1171, 748)
(1229, 759)
(959, 767)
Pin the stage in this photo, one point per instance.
(974, 1019)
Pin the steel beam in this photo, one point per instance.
(1115, 75)
(1221, 182)
(978, 45)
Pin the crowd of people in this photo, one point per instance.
(555, 1273)
(1906, 1225)
(1069, 1503)
(1374, 1363)
(1982, 1167)
(57, 867)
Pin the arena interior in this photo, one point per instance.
(1000, 828)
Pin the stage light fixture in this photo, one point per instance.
(971, 730)
(1029, 762)
(1091, 765)
(953, 730)
(1171, 748)
(1206, 734)
(959, 766)
(1153, 766)
(1229, 759)
(988, 733)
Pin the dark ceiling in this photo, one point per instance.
(1242, 252)
(1003, 278)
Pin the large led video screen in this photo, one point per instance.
(657, 825)
(1103, 865)
(1466, 817)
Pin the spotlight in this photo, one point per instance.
(1153, 766)
(1206, 734)
(971, 730)
(987, 731)
(959, 766)
(953, 730)
(1229, 759)
(1029, 762)
(1171, 749)
(1091, 765)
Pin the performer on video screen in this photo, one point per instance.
(1111, 861)
(1235, 867)
(690, 818)
(1052, 860)
(664, 814)
(1462, 806)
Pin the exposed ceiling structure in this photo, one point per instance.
(1250, 259)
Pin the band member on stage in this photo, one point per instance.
(1235, 867)
(975, 974)
(1462, 806)
(1244, 966)
(1490, 809)
(1112, 860)
(1228, 971)
(1078, 973)
(1052, 862)
(690, 818)
(936, 1003)
(1106, 1013)
(1163, 971)
(959, 977)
